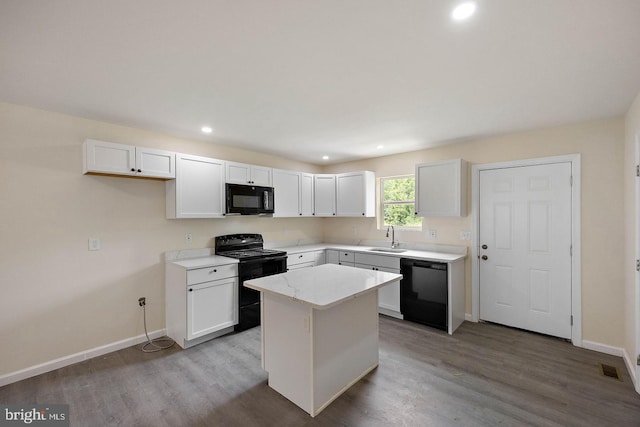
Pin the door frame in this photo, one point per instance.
(634, 362)
(576, 277)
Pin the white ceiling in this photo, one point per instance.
(302, 79)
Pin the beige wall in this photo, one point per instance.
(57, 297)
(601, 145)
(60, 299)
(631, 306)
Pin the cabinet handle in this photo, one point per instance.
(213, 271)
(300, 214)
(300, 256)
(415, 213)
(133, 169)
(334, 213)
(362, 213)
(139, 170)
(190, 290)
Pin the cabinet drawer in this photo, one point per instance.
(378, 260)
(301, 265)
(300, 258)
(208, 274)
(346, 256)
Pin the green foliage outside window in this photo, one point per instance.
(398, 202)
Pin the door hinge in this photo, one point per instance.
(638, 361)
(638, 265)
(570, 250)
(637, 170)
(571, 320)
(571, 181)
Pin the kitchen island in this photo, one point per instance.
(319, 330)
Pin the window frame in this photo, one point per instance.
(381, 225)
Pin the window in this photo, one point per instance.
(398, 196)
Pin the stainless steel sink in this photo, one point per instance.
(395, 251)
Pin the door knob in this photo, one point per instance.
(484, 246)
(484, 257)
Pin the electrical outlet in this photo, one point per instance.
(465, 235)
(433, 234)
(142, 301)
(94, 244)
(188, 238)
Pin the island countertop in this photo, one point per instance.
(323, 286)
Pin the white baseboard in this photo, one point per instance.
(631, 367)
(61, 362)
(468, 317)
(603, 348)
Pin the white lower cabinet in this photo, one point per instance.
(296, 261)
(388, 296)
(340, 257)
(201, 302)
(211, 307)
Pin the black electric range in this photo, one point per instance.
(254, 262)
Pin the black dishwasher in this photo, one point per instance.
(423, 292)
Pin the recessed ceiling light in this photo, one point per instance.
(380, 147)
(463, 11)
(206, 129)
(325, 157)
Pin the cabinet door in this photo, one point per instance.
(198, 190)
(261, 175)
(242, 173)
(286, 186)
(441, 188)
(389, 295)
(355, 194)
(155, 163)
(306, 194)
(108, 157)
(238, 173)
(325, 195)
(211, 306)
(332, 256)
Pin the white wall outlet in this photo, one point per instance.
(94, 244)
(465, 235)
(433, 234)
(188, 238)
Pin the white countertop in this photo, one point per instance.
(409, 253)
(323, 286)
(204, 262)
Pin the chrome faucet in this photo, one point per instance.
(394, 244)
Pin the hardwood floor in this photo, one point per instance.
(483, 375)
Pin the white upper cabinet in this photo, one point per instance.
(324, 189)
(287, 189)
(441, 188)
(306, 194)
(121, 159)
(356, 194)
(241, 173)
(198, 190)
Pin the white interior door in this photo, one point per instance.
(525, 247)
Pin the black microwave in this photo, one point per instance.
(249, 200)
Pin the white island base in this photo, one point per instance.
(315, 346)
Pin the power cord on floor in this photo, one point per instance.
(150, 346)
